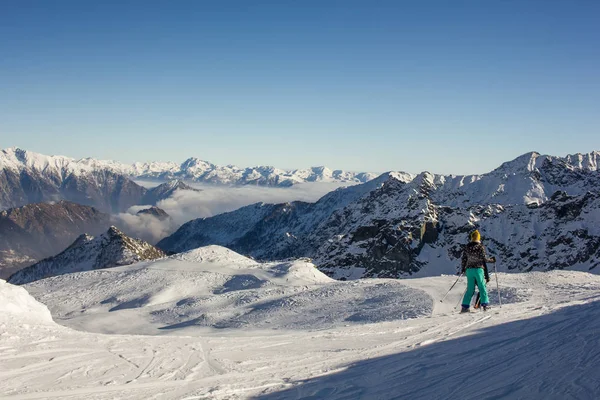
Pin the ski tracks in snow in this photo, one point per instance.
(454, 331)
(99, 366)
(520, 345)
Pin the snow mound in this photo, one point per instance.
(299, 273)
(15, 301)
(214, 287)
(215, 255)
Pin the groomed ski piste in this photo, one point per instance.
(211, 324)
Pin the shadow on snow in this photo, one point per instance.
(553, 356)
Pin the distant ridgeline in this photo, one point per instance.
(27, 177)
(535, 213)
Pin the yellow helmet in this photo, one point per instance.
(475, 236)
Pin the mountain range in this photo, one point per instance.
(196, 170)
(111, 249)
(535, 212)
(36, 231)
(27, 177)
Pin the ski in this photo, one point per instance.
(470, 324)
(440, 338)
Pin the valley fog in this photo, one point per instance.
(185, 205)
(215, 199)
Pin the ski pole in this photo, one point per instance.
(455, 282)
(497, 285)
(461, 298)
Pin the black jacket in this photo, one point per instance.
(474, 256)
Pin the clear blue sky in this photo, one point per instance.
(444, 86)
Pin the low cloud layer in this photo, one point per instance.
(186, 205)
(144, 226)
(213, 200)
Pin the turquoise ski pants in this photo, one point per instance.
(475, 276)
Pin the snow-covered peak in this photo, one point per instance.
(110, 165)
(322, 173)
(193, 165)
(112, 248)
(323, 170)
(527, 162)
(424, 179)
(154, 168)
(112, 233)
(588, 162)
(266, 168)
(404, 177)
(534, 162)
(17, 159)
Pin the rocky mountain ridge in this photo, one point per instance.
(400, 224)
(163, 191)
(155, 212)
(111, 249)
(245, 229)
(36, 231)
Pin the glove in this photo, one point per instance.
(493, 259)
(487, 280)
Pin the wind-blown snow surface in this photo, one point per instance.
(542, 344)
(215, 287)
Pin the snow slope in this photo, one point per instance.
(541, 344)
(16, 303)
(213, 287)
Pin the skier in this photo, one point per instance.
(474, 266)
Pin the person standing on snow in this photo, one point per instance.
(474, 266)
